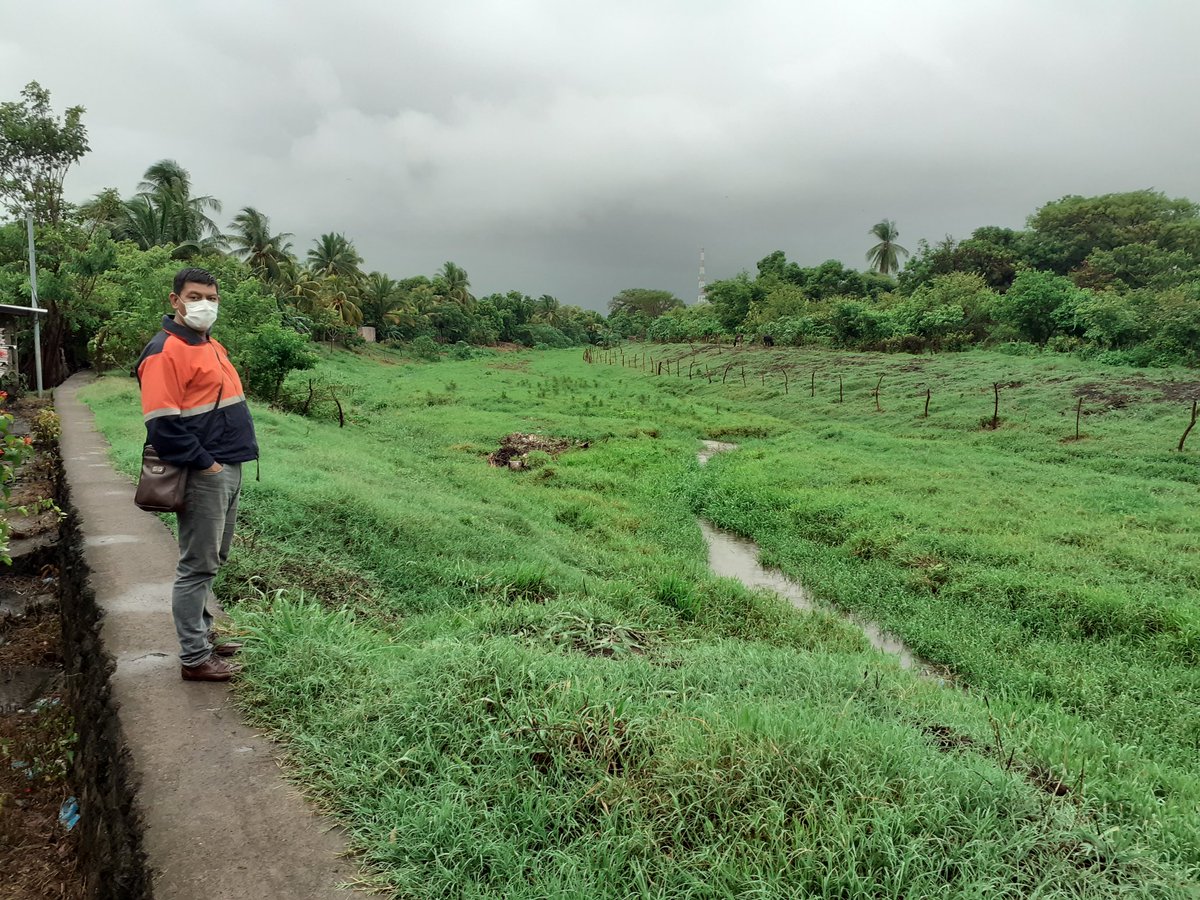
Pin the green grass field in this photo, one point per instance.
(526, 684)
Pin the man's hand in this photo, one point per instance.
(213, 469)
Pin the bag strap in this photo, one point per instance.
(220, 392)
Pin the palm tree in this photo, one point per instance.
(378, 296)
(339, 294)
(547, 310)
(252, 240)
(453, 284)
(169, 186)
(884, 256)
(334, 254)
(142, 221)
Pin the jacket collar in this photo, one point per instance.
(170, 326)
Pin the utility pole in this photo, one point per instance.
(37, 325)
(700, 291)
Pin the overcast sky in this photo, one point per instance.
(578, 149)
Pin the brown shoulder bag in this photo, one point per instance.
(162, 485)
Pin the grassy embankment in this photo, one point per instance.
(525, 684)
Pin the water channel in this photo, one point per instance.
(733, 556)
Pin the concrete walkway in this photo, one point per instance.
(219, 820)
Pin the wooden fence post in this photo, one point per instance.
(1191, 425)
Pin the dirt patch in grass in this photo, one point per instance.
(515, 449)
(1166, 391)
(1106, 396)
(947, 740)
(1119, 394)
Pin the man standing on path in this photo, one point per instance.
(196, 417)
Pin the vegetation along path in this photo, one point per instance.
(526, 683)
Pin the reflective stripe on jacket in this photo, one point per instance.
(181, 374)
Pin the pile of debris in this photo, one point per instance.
(516, 447)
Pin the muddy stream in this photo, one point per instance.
(733, 556)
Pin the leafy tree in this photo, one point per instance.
(645, 302)
(775, 266)
(854, 323)
(68, 266)
(884, 256)
(37, 149)
(994, 254)
(732, 298)
(685, 324)
(270, 355)
(251, 239)
(1175, 324)
(1031, 306)
(1106, 319)
(1066, 231)
(1133, 266)
(958, 303)
(833, 279)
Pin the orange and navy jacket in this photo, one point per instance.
(181, 374)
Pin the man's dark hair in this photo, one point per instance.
(195, 276)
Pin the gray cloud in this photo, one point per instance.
(576, 150)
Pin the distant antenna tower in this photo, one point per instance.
(700, 283)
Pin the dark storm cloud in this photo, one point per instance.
(577, 150)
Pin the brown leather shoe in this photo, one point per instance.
(226, 648)
(212, 669)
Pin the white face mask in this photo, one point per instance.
(200, 314)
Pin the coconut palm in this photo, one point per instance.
(252, 240)
(334, 254)
(340, 294)
(884, 256)
(169, 188)
(378, 296)
(453, 284)
(547, 309)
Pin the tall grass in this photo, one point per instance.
(525, 684)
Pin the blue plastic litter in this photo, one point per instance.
(68, 815)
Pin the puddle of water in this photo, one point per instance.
(711, 449)
(733, 556)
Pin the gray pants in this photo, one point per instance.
(205, 536)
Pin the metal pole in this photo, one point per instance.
(37, 325)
